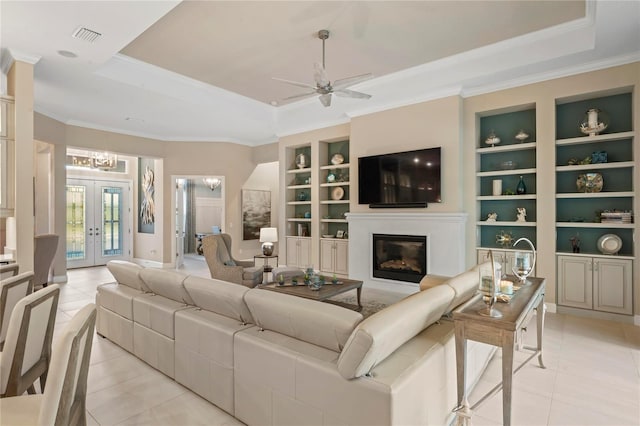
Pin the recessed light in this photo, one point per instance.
(274, 103)
(67, 54)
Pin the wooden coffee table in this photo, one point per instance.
(325, 292)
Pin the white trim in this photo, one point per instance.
(636, 320)
(21, 56)
(551, 307)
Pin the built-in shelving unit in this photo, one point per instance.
(7, 130)
(507, 162)
(587, 278)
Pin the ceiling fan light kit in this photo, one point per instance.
(323, 86)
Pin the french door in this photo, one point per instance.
(98, 222)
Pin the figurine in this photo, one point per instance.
(492, 217)
(522, 214)
(575, 243)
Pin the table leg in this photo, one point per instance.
(508, 348)
(358, 294)
(540, 328)
(461, 361)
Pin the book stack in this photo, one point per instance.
(616, 217)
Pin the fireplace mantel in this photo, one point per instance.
(445, 234)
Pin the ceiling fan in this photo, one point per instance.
(323, 86)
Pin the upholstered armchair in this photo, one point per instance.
(217, 253)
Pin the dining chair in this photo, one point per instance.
(27, 347)
(64, 400)
(9, 270)
(11, 291)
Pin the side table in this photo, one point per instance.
(266, 267)
(502, 332)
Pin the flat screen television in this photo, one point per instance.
(401, 179)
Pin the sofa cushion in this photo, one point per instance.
(127, 273)
(117, 298)
(382, 333)
(429, 281)
(218, 296)
(166, 283)
(464, 286)
(321, 324)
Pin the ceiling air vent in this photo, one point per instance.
(86, 34)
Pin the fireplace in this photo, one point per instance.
(399, 257)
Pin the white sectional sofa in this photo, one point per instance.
(272, 359)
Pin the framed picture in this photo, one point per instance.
(340, 233)
(256, 212)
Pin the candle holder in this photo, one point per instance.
(489, 286)
(594, 121)
(525, 262)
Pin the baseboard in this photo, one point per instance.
(59, 279)
(636, 320)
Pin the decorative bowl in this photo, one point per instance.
(590, 182)
(508, 165)
(328, 236)
(522, 136)
(609, 244)
(337, 159)
(492, 139)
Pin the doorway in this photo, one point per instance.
(98, 220)
(200, 209)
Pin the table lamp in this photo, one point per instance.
(268, 236)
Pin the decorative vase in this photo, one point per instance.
(521, 189)
(497, 187)
(594, 121)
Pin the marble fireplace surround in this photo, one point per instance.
(445, 234)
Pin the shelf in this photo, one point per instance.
(506, 197)
(298, 219)
(504, 223)
(594, 225)
(337, 166)
(333, 220)
(596, 194)
(507, 172)
(299, 187)
(298, 203)
(597, 166)
(295, 171)
(595, 254)
(334, 202)
(597, 138)
(507, 148)
(334, 184)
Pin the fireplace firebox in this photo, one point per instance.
(400, 257)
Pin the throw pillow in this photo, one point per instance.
(230, 263)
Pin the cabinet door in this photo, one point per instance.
(292, 251)
(326, 256)
(341, 257)
(612, 285)
(575, 281)
(304, 252)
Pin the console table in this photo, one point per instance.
(502, 332)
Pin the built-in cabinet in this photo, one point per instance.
(600, 283)
(299, 251)
(317, 199)
(595, 177)
(334, 256)
(7, 131)
(506, 180)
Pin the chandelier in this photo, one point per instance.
(212, 183)
(104, 160)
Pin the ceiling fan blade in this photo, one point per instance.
(344, 82)
(351, 94)
(325, 99)
(295, 83)
(320, 75)
(299, 96)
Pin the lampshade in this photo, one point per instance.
(268, 235)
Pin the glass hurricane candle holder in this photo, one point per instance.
(489, 286)
(525, 261)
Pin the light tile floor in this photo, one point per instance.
(592, 375)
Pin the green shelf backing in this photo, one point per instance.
(568, 210)
(332, 228)
(614, 180)
(509, 182)
(619, 150)
(341, 147)
(617, 107)
(488, 235)
(506, 126)
(524, 159)
(589, 239)
(507, 210)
